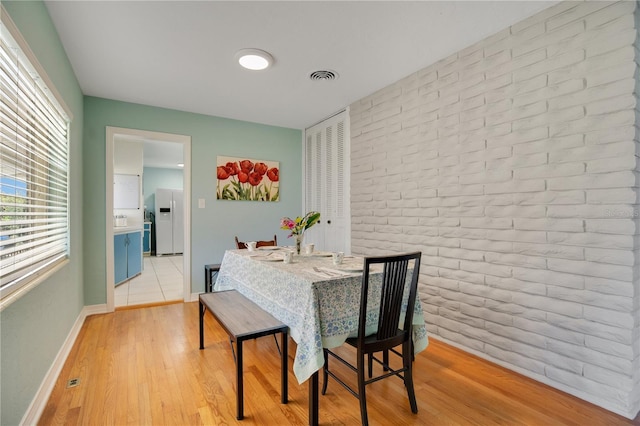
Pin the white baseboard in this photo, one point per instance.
(39, 401)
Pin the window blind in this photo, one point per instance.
(34, 208)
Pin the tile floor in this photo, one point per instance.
(160, 281)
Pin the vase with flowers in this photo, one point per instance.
(298, 226)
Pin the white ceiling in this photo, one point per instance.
(180, 55)
(157, 153)
(166, 155)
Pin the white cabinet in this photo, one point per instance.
(327, 183)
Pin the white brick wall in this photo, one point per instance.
(513, 166)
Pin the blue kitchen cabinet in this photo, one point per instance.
(127, 256)
(120, 257)
(146, 239)
(134, 254)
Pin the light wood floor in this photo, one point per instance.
(143, 367)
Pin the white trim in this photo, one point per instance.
(24, 46)
(39, 402)
(12, 297)
(95, 309)
(185, 140)
(186, 190)
(110, 281)
(303, 161)
(346, 109)
(347, 175)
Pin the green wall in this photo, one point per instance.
(34, 328)
(214, 227)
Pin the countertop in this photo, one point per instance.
(126, 229)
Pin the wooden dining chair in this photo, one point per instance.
(391, 333)
(243, 245)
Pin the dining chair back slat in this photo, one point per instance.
(263, 243)
(393, 286)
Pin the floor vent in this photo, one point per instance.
(73, 382)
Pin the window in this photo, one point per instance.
(34, 140)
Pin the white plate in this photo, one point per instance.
(269, 248)
(269, 259)
(265, 256)
(320, 254)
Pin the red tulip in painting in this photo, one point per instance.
(245, 179)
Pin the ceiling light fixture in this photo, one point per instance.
(254, 59)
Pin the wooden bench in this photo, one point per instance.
(243, 320)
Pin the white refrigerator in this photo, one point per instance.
(169, 221)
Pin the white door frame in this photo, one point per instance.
(112, 132)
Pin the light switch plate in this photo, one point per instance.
(201, 203)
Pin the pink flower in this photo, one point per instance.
(287, 223)
(301, 224)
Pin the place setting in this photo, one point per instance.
(267, 253)
(268, 258)
(338, 267)
(310, 251)
(283, 255)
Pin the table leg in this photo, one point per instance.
(284, 374)
(201, 312)
(313, 399)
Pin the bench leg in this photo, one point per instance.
(239, 384)
(202, 311)
(285, 371)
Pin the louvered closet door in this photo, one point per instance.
(327, 183)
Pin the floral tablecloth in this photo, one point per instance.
(319, 305)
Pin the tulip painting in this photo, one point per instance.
(247, 179)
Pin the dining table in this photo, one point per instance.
(317, 300)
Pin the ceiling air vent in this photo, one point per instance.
(323, 75)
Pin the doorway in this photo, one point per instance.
(121, 137)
